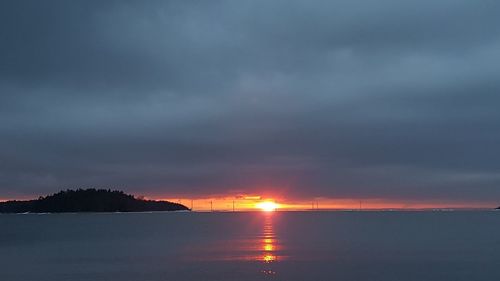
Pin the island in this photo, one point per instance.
(89, 200)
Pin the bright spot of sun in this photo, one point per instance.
(267, 206)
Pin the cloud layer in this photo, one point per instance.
(344, 99)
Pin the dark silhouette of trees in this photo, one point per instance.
(88, 200)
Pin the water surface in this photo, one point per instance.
(251, 246)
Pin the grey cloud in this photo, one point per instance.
(391, 99)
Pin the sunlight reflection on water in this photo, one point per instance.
(269, 246)
(260, 245)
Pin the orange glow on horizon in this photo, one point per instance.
(257, 203)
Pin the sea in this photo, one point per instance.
(337, 245)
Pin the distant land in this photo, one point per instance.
(88, 200)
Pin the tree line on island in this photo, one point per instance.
(88, 200)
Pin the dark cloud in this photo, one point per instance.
(393, 99)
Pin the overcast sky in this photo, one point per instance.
(340, 99)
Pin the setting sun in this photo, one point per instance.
(267, 206)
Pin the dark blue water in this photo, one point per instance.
(251, 246)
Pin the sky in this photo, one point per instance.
(348, 100)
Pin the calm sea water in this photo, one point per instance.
(251, 246)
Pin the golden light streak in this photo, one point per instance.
(268, 258)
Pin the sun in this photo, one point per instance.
(267, 206)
